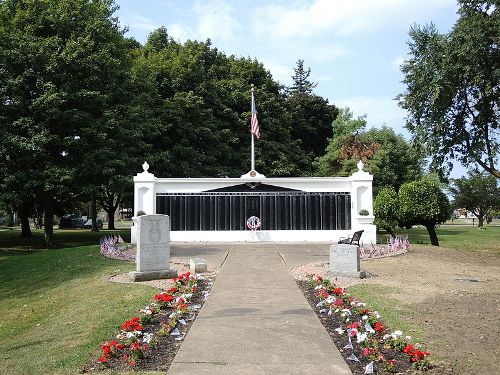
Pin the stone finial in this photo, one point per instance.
(145, 166)
(360, 166)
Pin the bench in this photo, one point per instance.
(352, 240)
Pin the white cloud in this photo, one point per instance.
(216, 20)
(396, 63)
(305, 20)
(280, 72)
(380, 110)
(180, 32)
(142, 23)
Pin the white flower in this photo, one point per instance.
(364, 317)
(396, 334)
(361, 337)
(339, 330)
(377, 315)
(408, 338)
(147, 338)
(386, 336)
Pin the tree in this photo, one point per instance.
(387, 155)
(453, 88)
(478, 193)
(423, 203)
(301, 83)
(385, 209)
(58, 63)
(311, 115)
(200, 112)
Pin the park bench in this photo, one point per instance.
(352, 240)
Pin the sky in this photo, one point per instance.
(353, 47)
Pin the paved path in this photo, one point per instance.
(256, 321)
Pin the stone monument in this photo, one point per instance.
(344, 261)
(153, 249)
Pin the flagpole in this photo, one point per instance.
(253, 142)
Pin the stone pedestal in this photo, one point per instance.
(197, 265)
(344, 261)
(153, 249)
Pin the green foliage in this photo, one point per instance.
(423, 203)
(478, 193)
(301, 83)
(385, 209)
(452, 88)
(61, 67)
(333, 163)
(387, 155)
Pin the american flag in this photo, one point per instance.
(254, 125)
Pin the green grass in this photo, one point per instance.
(56, 307)
(458, 237)
(392, 311)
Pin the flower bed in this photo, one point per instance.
(361, 336)
(151, 340)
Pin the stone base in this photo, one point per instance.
(197, 265)
(152, 275)
(357, 275)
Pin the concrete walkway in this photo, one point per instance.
(256, 321)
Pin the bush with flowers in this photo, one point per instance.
(365, 331)
(168, 309)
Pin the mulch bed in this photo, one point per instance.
(159, 357)
(403, 365)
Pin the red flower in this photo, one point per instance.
(363, 311)
(338, 302)
(338, 291)
(366, 351)
(418, 355)
(408, 349)
(103, 360)
(135, 346)
(164, 297)
(106, 349)
(132, 363)
(378, 327)
(354, 325)
(120, 346)
(391, 362)
(132, 325)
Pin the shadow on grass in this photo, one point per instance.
(12, 240)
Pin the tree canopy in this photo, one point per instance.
(387, 155)
(478, 193)
(453, 88)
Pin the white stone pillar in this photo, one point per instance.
(362, 199)
(144, 197)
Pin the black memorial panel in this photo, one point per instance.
(277, 210)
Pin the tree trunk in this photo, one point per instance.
(48, 224)
(111, 217)
(93, 212)
(431, 228)
(481, 221)
(25, 223)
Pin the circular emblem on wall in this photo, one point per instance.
(253, 173)
(253, 223)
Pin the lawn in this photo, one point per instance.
(458, 237)
(56, 306)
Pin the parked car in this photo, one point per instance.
(71, 221)
(88, 223)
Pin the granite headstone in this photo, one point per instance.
(153, 249)
(344, 261)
